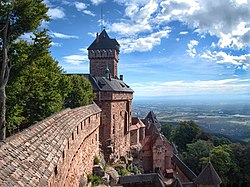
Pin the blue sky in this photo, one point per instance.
(168, 48)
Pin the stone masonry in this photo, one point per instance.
(58, 151)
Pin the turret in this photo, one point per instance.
(102, 52)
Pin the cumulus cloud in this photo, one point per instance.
(143, 44)
(62, 36)
(191, 48)
(56, 13)
(226, 86)
(242, 61)
(82, 7)
(228, 20)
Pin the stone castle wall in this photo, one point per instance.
(58, 151)
(99, 59)
(115, 122)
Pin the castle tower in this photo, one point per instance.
(113, 96)
(103, 52)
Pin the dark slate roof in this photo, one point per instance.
(153, 126)
(154, 178)
(177, 183)
(184, 168)
(208, 176)
(151, 117)
(104, 42)
(112, 85)
(150, 128)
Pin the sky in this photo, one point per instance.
(168, 47)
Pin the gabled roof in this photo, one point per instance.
(151, 117)
(151, 178)
(208, 176)
(177, 183)
(153, 126)
(184, 168)
(103, 41)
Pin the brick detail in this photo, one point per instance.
(115, 122)
(53, 151)
(99, 59)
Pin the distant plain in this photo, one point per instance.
(227, 116)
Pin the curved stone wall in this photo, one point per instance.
(58, 151)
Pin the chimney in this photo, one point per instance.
(97, 37)
(121, 77)
(110, 76)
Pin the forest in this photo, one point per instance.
(32, 84)
(196, 148)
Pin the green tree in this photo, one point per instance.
(221, 158)
(167, 130)
(81, 92)
(196, 153)
(185, 133)
(16, 18)
(245, 164)
(35, 88)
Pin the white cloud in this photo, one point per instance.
(237, 39)
(80, 6)
(97, 2)
(88, 12)
(183, 32)
(62, 36)
(228, 20)
(56, 13)
(242, 61)
(226, 86)
(143, 44)
(76, 59)
(55, 44)
(27, 36)
(191, 50)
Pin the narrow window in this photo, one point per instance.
(55, 170)
(89, 120)
(63, 154)
(81, 125)
(72, 135)
(77, 130)
(68, 144)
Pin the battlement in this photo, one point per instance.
(103, 53)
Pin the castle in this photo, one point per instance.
(60, 150)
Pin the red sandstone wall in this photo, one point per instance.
(99, 59)
(82, 146)
(115, 122)
(55, 152)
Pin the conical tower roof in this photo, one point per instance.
(208, 176)
(103, 41)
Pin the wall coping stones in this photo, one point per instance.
(28, 158)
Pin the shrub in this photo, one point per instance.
(95, 180)
(96, 160)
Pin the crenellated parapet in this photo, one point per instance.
(58, 151)
(103, 54)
